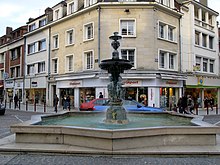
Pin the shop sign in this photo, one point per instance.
(200, 80)
(171, 82)
(75, 83)
(132, 82)
(34, 84)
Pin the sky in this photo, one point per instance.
(15, 13)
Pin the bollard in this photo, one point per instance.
(10, 104)
(35, 108)
(5, 103)
(216, 109)
(19, 104)
(44, 106)
(26, 105)
(197, 110)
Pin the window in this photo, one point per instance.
(88, 60)
(128, 54)
(89, 2)
(42, 45)
(198, 63)
(15, 53)
(210, 19)
(32, 27)
(166, 32)
(54, 65)
(204, 40)
(167, 60)
(211, 66)
(165, 2)
(30, 69)
(88, 31)
(57, 13)
(205, 65)
(69, 63)
(41, 67)
(197, 34)
(55, 42)
(2, 57)
(127, 28)
(18, 71)
(70, 37)
(211, 42)
(12, 72)
(42, 22)
(32, 48)
(161, 30)
(71, 8)
(170, 33)
(196, 12)
(162, 60)
(171, 61)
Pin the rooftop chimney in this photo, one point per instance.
(204, 2)
(8, 30)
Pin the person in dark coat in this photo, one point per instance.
(56, 100)
(100, 95)
(184, 104)
(16, 100)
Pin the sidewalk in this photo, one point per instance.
(50, 109)
(39, 108)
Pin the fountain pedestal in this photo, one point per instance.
(116, 112)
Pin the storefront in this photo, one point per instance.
(201, 87)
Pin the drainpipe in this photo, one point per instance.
(49, 47)
(180, 52)
(99, 13)
(24, 69)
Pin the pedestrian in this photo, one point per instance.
(16, 101)
(68, 102)
(179, 105)
(184, 104)
(56, 100)
(190, 104)
(212, 101)
(64, 103)
(206, 102)
(100, 95)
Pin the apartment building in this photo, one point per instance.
(36, 58)
(172, 46)
(200, 55)
(80, 40)
(12, 62)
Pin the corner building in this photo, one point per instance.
(79, 39)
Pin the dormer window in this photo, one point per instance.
(57, 13)
(42, 22)
(32, 27)
(88, 3)
(71, 8)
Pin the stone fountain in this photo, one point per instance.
(90, 134)
(115, 113)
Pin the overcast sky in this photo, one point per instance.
(15, 13)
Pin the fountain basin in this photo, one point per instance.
(200, 134)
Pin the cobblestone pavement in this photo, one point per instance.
(23, 158)
(41, 159)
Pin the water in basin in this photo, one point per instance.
(135, 121)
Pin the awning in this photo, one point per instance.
(201, 86)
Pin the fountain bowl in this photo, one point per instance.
(200, 134)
